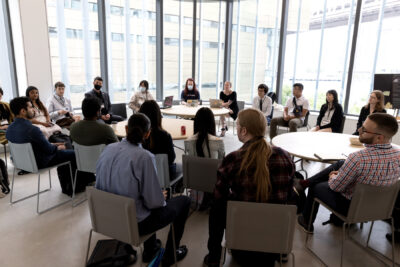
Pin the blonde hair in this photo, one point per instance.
(381, 100)
(256, 156)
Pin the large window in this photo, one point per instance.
(255, 36)
(74, 45)
(318, 44)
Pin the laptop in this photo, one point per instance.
(192, 103)
(167, 103)
(215, 103)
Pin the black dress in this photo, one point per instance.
(233, 106)
(364, 113)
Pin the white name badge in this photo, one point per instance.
(4, 122)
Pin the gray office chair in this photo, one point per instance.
(86, 160)
(163, 171)
(200, 173)
(115, 216)
(369, 203)
(24, 159)
(259, 227)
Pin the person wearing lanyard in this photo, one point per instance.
(330, 116)
(263, 102)
(58, 106)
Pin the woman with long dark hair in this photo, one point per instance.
(190, 92)
(204, 142)
(160, 141)
(42, 117)
(330, 116)
(257, 172)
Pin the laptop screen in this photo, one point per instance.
(168, 101)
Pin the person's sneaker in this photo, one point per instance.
(149, 255)
(181, 253)
(389, 237)
(304, 225)
(209, 263)
(297, 187)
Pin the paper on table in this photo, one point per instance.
(326, 156)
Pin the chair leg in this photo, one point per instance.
(50, 178)
(38, 194)
(280, 259)
(173, 243)
(88, 247)
(369, 234)
(12, 186)
(392, 225)
(309, 221)
(342, 249)
(294, 259)
(223, 255)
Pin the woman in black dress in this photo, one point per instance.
(228, 96)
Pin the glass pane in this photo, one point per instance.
(74, 45)
(317, 48)
(5, 77)
(255, 37)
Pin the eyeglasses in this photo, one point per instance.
(365, 131)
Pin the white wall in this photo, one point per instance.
(36, 46)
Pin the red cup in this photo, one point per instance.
(183, 130)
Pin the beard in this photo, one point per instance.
(30, 115)
(367, 141)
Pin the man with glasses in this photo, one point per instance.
(377, 164)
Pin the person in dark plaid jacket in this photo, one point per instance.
(257, 172)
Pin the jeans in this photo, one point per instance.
(293, 124)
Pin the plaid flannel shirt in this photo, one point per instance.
(377, 165)
(231, 186)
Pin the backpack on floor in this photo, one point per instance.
(112, 253)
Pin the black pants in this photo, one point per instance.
(116, 118)
(176, 211)
(216, 227)
(319, 188)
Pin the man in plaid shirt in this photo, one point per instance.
(377, 164)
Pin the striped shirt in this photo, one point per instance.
(233, 186)
(377, 164)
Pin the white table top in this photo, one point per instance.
(190, 112)
(306, 144)
(172, 126)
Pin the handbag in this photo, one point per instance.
(65, 122)
(297, 110)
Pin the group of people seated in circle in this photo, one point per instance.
(256, 172)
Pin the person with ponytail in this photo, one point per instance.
(127, 169)
(257, 172)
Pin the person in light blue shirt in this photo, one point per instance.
(127, 169)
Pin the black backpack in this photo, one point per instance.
(112, 253)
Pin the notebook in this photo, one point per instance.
(326, 156)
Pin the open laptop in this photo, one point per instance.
(167, 103)
(215, 103)
(192, 103)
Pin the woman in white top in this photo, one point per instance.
(42, 118)
(331, 115)
(139, 97)
(204, 143)
(60, 107)
(263, 102)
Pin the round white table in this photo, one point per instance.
(306, 145)
(190, 112)
(172, 126)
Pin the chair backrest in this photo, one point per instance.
(87, 156)
(200, 173)
(240, 105)
(23, 157)
(162, 169)
(260, 227)
(113, 215)
(306, 119)
(342, 124)
(217, 148)
(370, 202)
(119, 109)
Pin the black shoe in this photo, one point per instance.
(148, 255)
(181, 253)
(304, 225)
(207, 262)
(297, 187)
(22, 172)
(389, 237)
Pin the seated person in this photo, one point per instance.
(257, 172)
(262, 101)
(228, 97)
(104, 100)
(41, 118)
(160, 141)
(190, 92)
(375, 104)
(6, 118)
(139, 97)
(204, 142)
(294, 112)
(377, 164)
(90, 131)
(46, 154)
(330, 116)
(60, 108)
(126, 169)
